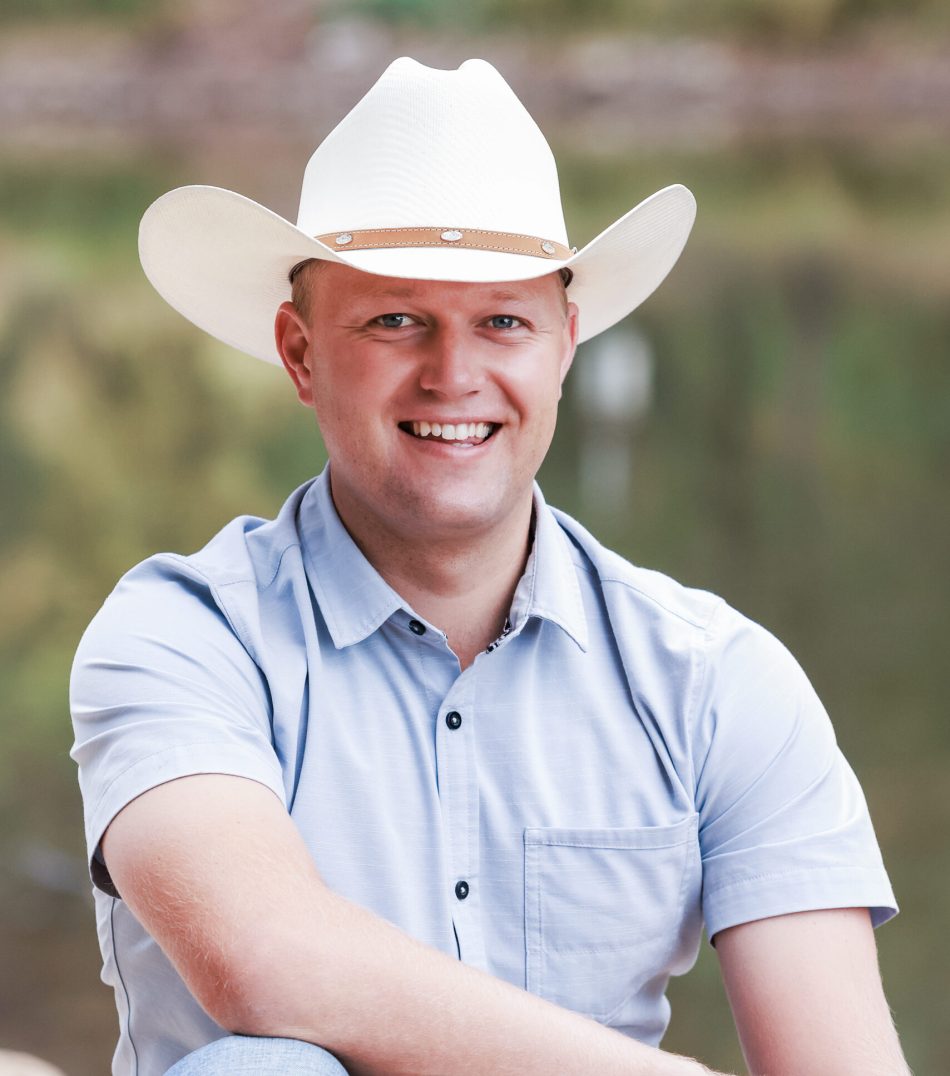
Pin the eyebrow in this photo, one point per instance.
(508, 297)
(409, 293)
(388, 293)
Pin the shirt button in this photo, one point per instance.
(417, 627)
(453, 719)
(461, 890)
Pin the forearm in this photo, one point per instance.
(216, 872)
(384, 1003)
(807, 995)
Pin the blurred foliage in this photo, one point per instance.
(806, 21)
(92, 213)
(774, 21)
(794, 459)
(59, 10)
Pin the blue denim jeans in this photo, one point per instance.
(239, 1055)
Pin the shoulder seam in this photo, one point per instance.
(251, 579)
(189, 564)
(702, 625)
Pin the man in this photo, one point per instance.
(421, 727)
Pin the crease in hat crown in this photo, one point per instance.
(433, 175)
(424, 147)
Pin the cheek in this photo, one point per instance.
(539, 396)
(331, 407)
(548, 410)
(348, 402)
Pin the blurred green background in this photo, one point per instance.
(773, 425)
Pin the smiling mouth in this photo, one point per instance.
(467, 433)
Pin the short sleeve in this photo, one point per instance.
(162, 687)
(784, 825)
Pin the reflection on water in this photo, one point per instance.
(774, 425)
(612, 390)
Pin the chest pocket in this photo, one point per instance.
(604, 910)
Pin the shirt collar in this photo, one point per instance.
(549, 588)
(355, 599)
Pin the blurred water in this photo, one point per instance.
(773, 425)
(612, 390)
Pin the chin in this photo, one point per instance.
(454, 513)
(464, 515)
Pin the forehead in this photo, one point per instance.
(333, 284)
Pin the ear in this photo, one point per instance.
(571, 328)
(292, 335)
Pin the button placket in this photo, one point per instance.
(458, 794)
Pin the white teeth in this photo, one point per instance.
(453, 431)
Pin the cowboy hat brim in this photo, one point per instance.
(224, 262)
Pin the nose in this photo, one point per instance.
(450, 366)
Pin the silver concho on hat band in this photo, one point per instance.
(467, 238)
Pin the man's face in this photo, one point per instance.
(437, 401)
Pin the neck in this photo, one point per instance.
(464, 585)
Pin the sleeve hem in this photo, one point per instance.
(743, 902)
(182, 760)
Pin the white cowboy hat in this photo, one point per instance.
(434, 175)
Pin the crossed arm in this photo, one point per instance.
(215, 870)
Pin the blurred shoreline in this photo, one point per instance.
(234, 73)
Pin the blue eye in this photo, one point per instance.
(505, 321)
(393, 321)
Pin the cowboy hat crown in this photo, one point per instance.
(453, 149)
(433, 175)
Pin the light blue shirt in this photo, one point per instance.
(632, 759)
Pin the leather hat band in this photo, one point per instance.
(469, 238)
